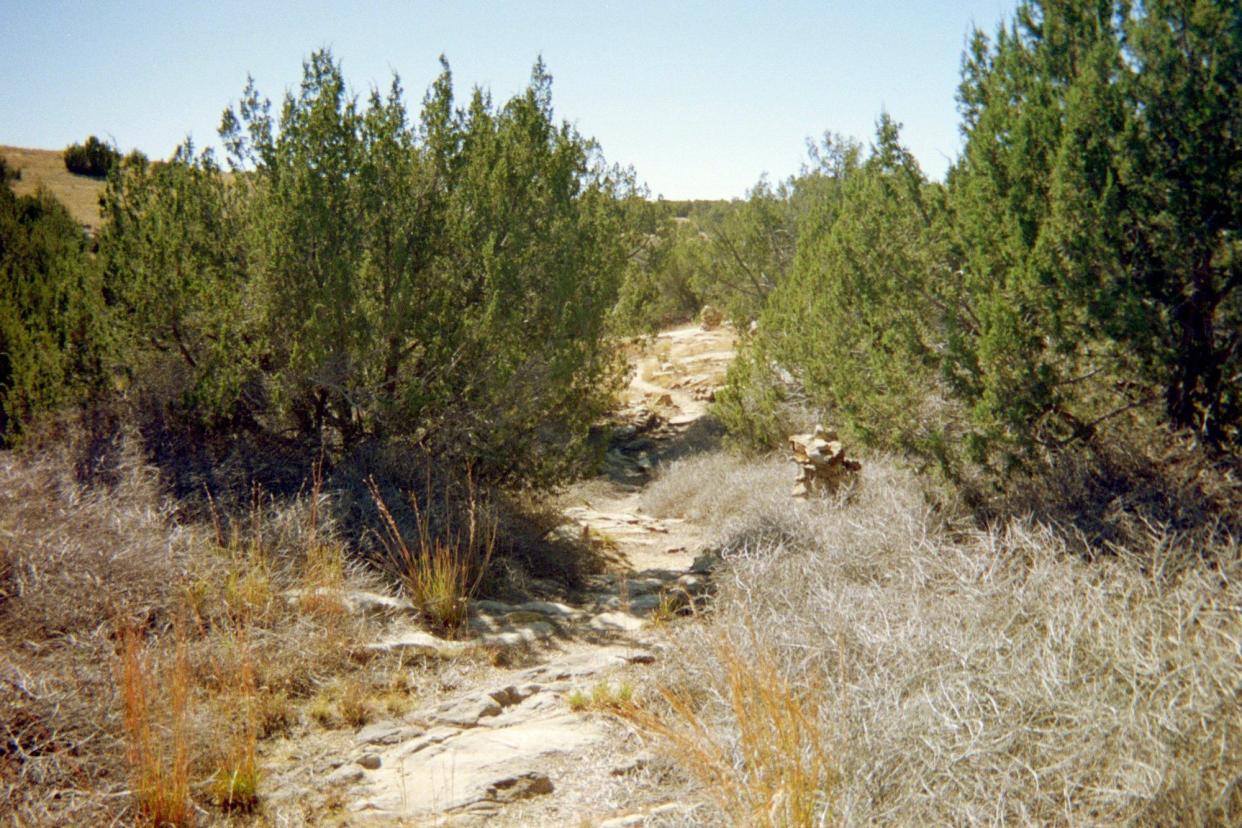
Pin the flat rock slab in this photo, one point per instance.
(614, 621)
(421, 642)
(475, 767)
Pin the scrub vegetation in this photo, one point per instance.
(364, 345)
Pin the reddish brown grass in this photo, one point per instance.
(156, 707)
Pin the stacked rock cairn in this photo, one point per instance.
(822, 462)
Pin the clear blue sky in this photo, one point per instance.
(700, 98)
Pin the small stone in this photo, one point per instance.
(612, 621)
(520, 786)
(704, 564)
(370, 761)
(467, 712)
(548, 608)
(627, 821)
(345, 775)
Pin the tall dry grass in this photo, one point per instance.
(443, 570)
(776, 768)
(86, 736)
(157, 730)
(965, 675)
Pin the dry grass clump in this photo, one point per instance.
(775, 768)
(965, 676)
(444, 569)
(156, 707)
(78, 560)
(141, 652)
(604, 697)
(709, 487)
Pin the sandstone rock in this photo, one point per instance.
(647, 603)
(375, 603)
(521, 786)
(520, 635)
(370, 761)
(614, 621)
(694, 585)
(822, 463)
(345, 775)
(525, 617)
(492, 607)
(356, 601)
(421, 642)
(477, 767)
(710, 317)
(431, 738)
(550, 608)
(704, 564)
(386, 733)
(466, 712)
(512, 694)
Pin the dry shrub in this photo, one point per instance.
(709, 487)
(80, 556)
(973, 676)
(156, 706)
(774, 766)
(444, 569)
(1135, 484)
(323, 582)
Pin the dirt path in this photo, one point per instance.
(517, 747)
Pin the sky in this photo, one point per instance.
(699, 98)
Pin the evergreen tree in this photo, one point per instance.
(50, 300)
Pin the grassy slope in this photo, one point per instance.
(47, 167)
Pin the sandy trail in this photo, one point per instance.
(511, 750)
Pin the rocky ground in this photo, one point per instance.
(527, 740)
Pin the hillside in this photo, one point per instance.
(47, 167)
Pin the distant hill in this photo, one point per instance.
(81, 193)
(47, 167)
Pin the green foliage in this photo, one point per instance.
(751, 404)
(1099, 220)
(49, 305)
(1082, 261)
(662, 284)
(753, 247)
(176, 273)
(95, 158)
(362, 276)
(856, 325)
(858, 319)
(754, 244)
